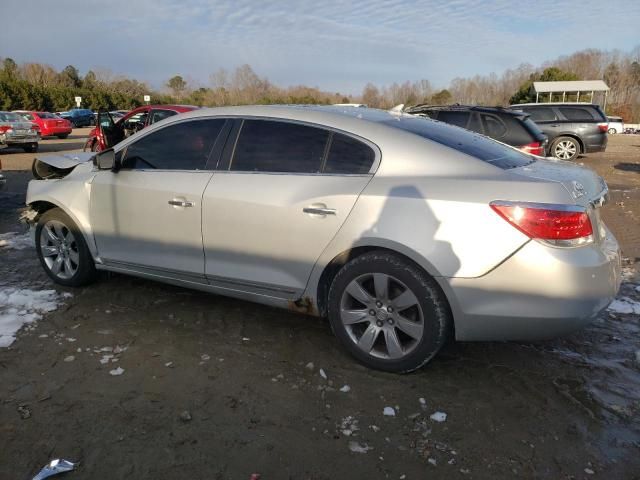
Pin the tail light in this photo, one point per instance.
(35, 127)
(534, 148)
(603, 127)
(5, 128)
(558, 225)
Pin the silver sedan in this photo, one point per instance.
(403, 231)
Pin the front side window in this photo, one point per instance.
(183, 146)
(349, 156)
(271, 146)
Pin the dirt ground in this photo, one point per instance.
(215, 388)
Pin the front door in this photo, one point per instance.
(268, 218)
(147, 216)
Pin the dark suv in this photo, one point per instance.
(79, 117)
(513, 128)
(572, 128)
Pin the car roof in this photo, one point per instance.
(551, 104)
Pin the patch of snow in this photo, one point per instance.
(438, 417)
(345, 389)
(309, 366)
(357, 448)
(16, 241)
(588, 471)
(204, 357)
(105, 359)
(432, 461)
(20, 307)
(70, 358)
(625, 305)
(117, 371)
(389, 412)
(422, 401)
(322, 374)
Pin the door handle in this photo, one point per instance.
(318, 210)
(181, 203)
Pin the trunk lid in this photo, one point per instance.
(585, 186)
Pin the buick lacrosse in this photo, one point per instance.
(403, 231)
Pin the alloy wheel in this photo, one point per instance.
(59, 249)
(565, 150)
(382, 316)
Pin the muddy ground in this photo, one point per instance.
(215, 388)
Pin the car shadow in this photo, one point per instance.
(628, 167)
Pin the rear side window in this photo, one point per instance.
(577, 114)
(464, 141)
(183, 146)
(157, 115)
(493, 126)
(541, 114)
(269, 146)
(459, 119)
(349, 156)
(26, 116)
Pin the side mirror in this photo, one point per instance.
(106, 160)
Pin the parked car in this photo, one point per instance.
(79, 117)
(50, 125)
(3, 180)
(15, 131)
(572, 128)
(616, 125)
(114, 130)
(513, 128)
(402, 230)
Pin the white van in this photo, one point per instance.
(615, 125)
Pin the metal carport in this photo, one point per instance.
(572, 87)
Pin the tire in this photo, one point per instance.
(62, 137)
(30, 147)
(95, 147)
(565, 148)
(611, 131)
(58, 237)
(371, 331)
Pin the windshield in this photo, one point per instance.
(10, 117)
(473, 144)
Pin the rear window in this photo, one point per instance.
(579, 114)
(477, 146)
(46, 115)
(532, 127)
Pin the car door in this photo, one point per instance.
(146, 216)
(547, 119)
(269, 215)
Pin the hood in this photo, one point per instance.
(58, 166)
(67, 160)
(585, 186)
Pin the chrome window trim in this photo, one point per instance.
(541, 206)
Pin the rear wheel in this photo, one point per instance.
(62, 250)
(387, 312)
(612, 131)
(30, 147)
(62, 137)
(565, 148)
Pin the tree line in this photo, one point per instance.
(40, 87)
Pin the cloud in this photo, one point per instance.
(333, 44)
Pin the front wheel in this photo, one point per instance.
(612, 131)
(565, 148)
(62, 250)
(388, 312)
(62, 137)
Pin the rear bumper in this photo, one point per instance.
(52, 132)
(3, 181)
(539, 292)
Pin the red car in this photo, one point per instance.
(50, 125)
(109, 132)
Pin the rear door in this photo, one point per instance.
(269, 215)
(147, 216)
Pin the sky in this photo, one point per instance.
(336, 45)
